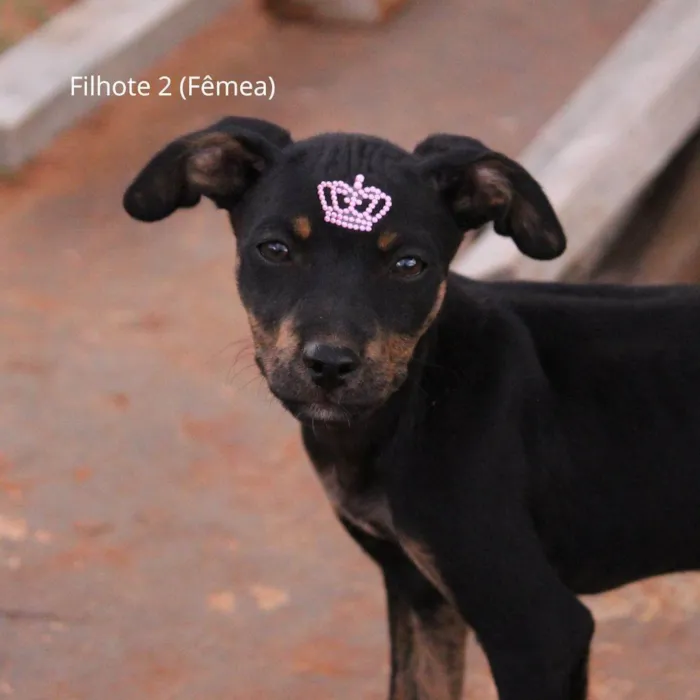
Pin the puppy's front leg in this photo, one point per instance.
(427, 635)
(487, 559)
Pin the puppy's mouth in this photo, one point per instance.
(327, 413)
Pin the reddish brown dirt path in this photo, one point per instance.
(18, 18)
(162, 536)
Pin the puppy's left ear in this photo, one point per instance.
(480, 185)
(221, 162)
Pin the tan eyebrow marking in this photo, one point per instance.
(386, 239)
(302, 227)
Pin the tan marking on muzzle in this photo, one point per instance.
(392, 352)
(287, 339)
(302, 227)
(274, 347)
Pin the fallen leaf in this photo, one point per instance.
(14, 529)
(223, 601)
(269, 598)
(90, 528)
(43, 537)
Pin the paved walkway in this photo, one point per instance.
(161, 534)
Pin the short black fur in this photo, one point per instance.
(496, 448)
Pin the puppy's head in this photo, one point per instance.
(344, 244)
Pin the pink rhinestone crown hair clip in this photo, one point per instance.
(343, 209)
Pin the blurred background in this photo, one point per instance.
(162, 535)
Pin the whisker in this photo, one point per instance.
(231, 378)
(235, 362)
(218, 353)
(247, 384)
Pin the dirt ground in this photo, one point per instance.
(162, 536)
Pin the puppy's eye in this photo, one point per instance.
(274, 251)
(410, 266)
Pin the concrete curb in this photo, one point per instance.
(115, 39)
(612, 138)
(350, 11)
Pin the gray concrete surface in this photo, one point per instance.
(609, 141)
(113, 40)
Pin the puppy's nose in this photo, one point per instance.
(329, 365)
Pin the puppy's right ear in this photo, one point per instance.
(221, 162)
(479, 185)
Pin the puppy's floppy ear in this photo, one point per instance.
(220, 162)
(480, 185)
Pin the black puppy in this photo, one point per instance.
(497, 448)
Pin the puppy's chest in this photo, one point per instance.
(357, 495)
